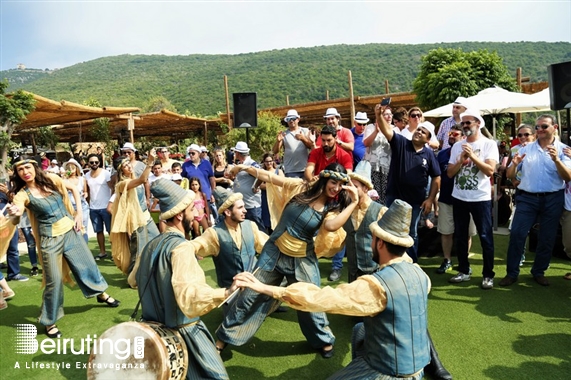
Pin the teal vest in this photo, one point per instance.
(155, 290)
(47, 211)
(359, 244)
(232, 259)
(405, 317)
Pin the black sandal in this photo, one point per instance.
(51, 334)
(109, 303)
(100, 257)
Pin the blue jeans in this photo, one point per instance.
(337, 262)
(413, 250)
(12, 254)
(547, 209)
(31, 243)
(482, 214)
(99, 218)
(255, 215)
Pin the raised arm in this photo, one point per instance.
(382, 124)
(261, 175)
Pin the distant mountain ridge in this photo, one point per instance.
(194, 83)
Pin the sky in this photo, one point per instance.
(55, 34)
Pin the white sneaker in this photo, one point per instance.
(460, 277)
(487, 283)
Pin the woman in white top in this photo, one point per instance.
(72, 173)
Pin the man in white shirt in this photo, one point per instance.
(472, 163)
(98, 183)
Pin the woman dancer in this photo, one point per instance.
(291, 253)
(61, 246)
(132, 226)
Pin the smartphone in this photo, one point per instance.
(385, 101)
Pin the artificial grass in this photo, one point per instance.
(519, 332)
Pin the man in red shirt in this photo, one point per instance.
(326, 154)
(345, 138)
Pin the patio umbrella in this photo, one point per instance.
(496, 100)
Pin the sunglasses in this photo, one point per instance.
(467, 123)
(520, 135)
(164, 151)
(542, 126)
(191, 153)
(93, 162)
(455, 134)
(415, 115)
(291, 119)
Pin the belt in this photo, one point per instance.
(539, 194)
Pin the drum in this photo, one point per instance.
(138, 350)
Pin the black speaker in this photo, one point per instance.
(560, 85)
(245, 109)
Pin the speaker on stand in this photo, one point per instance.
(245, 111)
(560, 90)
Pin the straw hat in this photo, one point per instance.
(362, 174)
(227, 200)
(72, 162)
(173, 199)
(394, 225)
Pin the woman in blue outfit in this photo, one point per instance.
(61, 245)
(303, 209)
(132, 226)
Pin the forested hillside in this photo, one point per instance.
(194, 83)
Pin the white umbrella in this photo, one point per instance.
(496, 100)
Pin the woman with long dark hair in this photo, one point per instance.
(61, 245)
(132, 226)
(291, 253)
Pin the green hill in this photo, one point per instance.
(194, 83)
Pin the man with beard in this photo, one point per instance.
(412, 163)
(233, 241)
(393, 340)
(472, 163)
(326, 154)
(172, 286)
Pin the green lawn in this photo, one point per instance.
(520, 332)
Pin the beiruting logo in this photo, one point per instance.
(26, 343)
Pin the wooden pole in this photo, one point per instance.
(517, 120)
(287, 100)
(131, 127)
(351, 99)
(327, 95)
(230, 124)
(386, 86)
(205, 134)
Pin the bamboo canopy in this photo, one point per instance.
(50, 112)
(154, 124)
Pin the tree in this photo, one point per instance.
(157, 103)
(46, 137)
(13, 110)
(446, 74)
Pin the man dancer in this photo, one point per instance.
(233, 242)
(172, 286)
(544, 169)
(392, 341)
